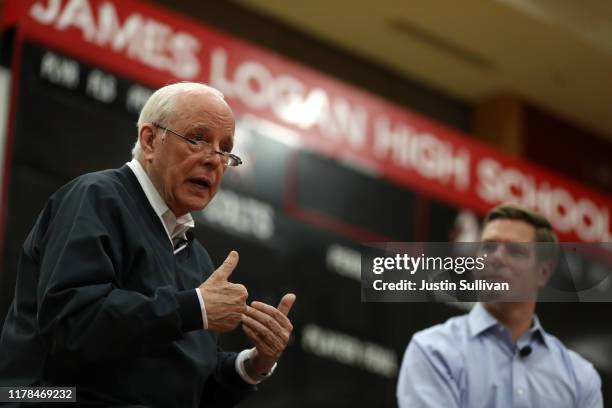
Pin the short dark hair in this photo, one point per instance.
(543, 230)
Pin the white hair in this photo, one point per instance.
(161, 104)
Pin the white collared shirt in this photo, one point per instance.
(177, 227)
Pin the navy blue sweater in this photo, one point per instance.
(103, 304)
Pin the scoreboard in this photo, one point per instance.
(75, 118)
(299, 209)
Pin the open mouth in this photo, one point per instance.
(200, 183)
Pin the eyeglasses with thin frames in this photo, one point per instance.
(198, 144)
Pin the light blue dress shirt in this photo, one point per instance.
(470, 361)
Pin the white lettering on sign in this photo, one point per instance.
(136, 97)
(101, 86)
(497, 183)
(339, 121)
(422, 152)
(140, 38)
(344, 260)
(59, 70)
(290, 100)
(349, 350)
(237, 213)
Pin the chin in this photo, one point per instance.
(200, 204)
(191, 206)
(196, 202)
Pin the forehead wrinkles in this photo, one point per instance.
(206, 110)
(211, 125)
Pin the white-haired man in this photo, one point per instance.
(116, 298)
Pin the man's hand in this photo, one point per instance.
(225, 302)
(269, 329)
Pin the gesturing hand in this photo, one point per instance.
(225, 302)
(269, 329)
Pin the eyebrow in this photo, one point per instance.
(224, 144)
(199, 128)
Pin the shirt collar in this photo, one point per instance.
(538, 331)
(480, 320)
(174, 226)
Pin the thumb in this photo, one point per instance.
(227, 267)
(286, 303)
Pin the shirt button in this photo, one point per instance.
(519, 391)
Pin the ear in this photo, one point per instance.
(147, 138)
(544, 272)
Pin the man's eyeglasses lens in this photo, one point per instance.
(197, 145)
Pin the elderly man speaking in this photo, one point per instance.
(116, 298)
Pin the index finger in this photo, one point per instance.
(227, 267)
(286, 303)
(274, 313)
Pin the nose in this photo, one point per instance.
(212, 157)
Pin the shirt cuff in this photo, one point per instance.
(240, 368)
(202, 306)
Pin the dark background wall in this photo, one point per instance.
(60, 134)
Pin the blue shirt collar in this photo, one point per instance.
(538, 331)
(480, 320)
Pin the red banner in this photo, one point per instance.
(154, 46)
(9, 14)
